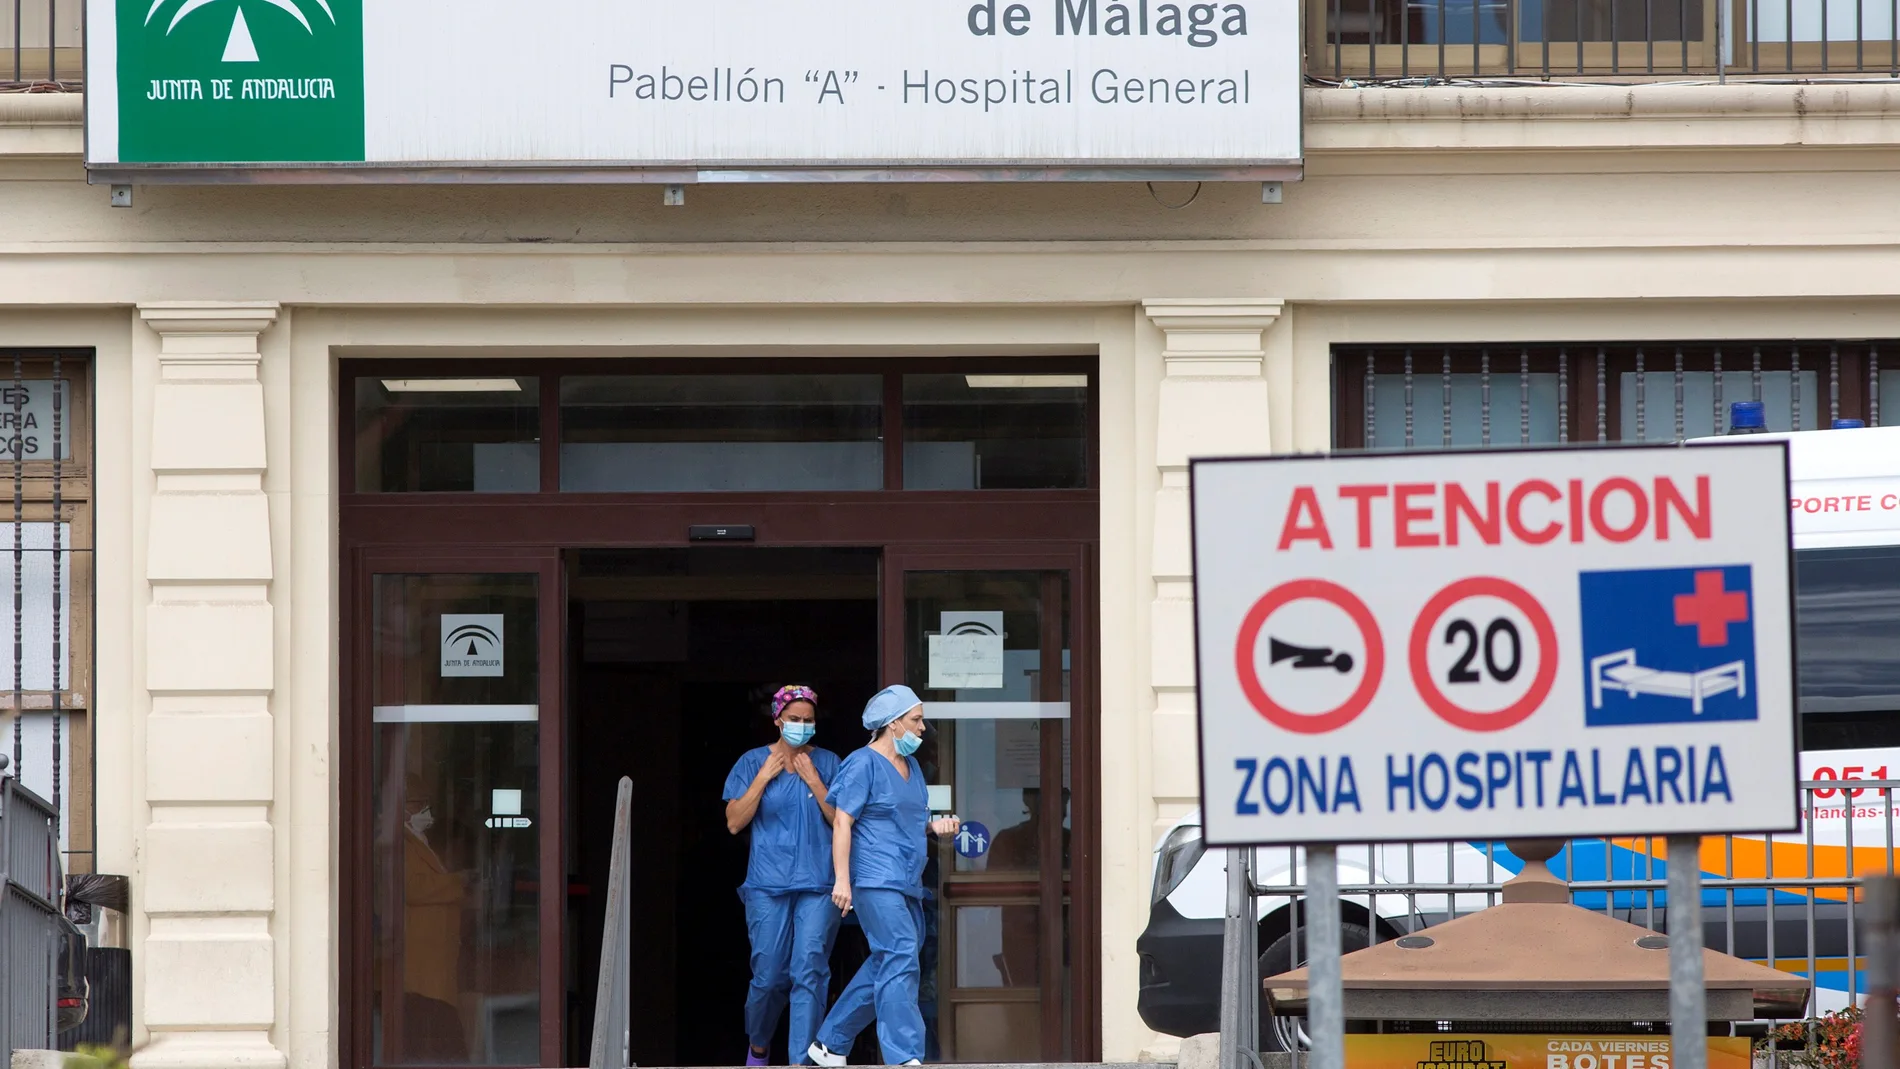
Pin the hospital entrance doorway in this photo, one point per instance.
(673, 658)
(556, 573)
(509, 692)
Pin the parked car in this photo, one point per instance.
(1180, 951)
(100, 997)
(74, 992)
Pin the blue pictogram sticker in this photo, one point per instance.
(1668, 645)
(973, 839)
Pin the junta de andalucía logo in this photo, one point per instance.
(241, 47)
(240, 81)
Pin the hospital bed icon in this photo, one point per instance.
(1619, 671)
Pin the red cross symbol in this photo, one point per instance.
(1711, 609)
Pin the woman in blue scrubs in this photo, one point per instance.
(880, 832)
(780, 792)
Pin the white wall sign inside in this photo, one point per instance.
(712, 85)
(967, 652)
(471, 644)
(28, 420)
(942, 797)
(1542, 643)
(1019, 754)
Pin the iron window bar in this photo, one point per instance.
(1562, 385)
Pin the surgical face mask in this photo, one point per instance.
(908, 743)
(422, 820)
(797, 734)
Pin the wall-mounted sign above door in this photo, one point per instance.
(718, 90)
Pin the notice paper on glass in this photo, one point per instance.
(968, 653)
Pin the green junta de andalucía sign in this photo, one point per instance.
(263, 81)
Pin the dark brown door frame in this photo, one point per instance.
(355, 779)
(977, 530)
(1081, 937)
(397, 533)
(548, 373)
(606, 521)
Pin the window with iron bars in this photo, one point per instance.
(1397, 40)
(46, 586)
(42, 42)
(1441, 396)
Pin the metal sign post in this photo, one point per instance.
(1325, 993)
(1879, 1028)
(1240, 967)
(1688, 998)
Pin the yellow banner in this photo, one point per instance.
(1440, 1051)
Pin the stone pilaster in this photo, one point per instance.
(207, 877)
(1213, 402)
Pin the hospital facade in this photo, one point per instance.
(479, 498)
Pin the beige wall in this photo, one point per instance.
(1428, 215)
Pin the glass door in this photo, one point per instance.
(456, 724)
(990, 651)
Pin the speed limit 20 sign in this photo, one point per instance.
(1499, 644)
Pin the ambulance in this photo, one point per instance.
(1845, 504)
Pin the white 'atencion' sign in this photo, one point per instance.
(714, 84)
(1545, 643)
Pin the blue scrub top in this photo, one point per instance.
(893, 821)
(791, 842)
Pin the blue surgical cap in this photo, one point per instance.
(889, 704)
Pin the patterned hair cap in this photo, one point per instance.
(788, 695)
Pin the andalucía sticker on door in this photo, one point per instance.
(472, 644)
(1668, 645)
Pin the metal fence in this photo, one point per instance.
(1428, 396)
(1790, 901)
(1595, 39)
(29, 918)
(43, 42)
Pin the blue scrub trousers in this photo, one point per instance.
(886, 984)
(791, 960)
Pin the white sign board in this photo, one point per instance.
(28, 420)
(471, 644)
(1537, 643)
(712, 85)
(967, 652)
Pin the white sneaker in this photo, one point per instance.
(821, 1055)
(913, 1061)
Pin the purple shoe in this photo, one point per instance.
(757, 1059)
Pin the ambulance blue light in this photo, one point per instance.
(1747, 416)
